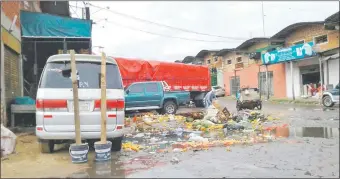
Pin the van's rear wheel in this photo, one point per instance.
(46, 146)
(116, 144)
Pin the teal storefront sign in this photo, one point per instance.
(296, 52)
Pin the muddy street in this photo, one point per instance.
(308, 147)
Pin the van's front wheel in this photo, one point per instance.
(46, 146)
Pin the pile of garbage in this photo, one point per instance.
(195, 131)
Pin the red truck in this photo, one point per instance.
(179, 76)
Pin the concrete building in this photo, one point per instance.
(331, 55)
(208, 58)
(11, 59)
(302, 40)
(243, 67)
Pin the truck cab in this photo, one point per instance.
(154, 95)
(331, 97)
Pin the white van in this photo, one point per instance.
(54, 103)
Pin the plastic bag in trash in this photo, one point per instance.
(8, 141)
(211, 112)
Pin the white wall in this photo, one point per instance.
(333, 66)
(220, 79)
(297, 79)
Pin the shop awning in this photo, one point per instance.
(335, 56)
(40, 25)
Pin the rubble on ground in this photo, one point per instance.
(196, 131)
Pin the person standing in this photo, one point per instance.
(209, 97)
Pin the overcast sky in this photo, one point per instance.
(241, 20)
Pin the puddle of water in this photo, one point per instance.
(117, 168)
(317, 132)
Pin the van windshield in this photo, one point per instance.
(88, 75)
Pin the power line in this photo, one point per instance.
(164, 25)
(163, 35)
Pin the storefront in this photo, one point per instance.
(331, 68)
(302, 71)
(11, 68)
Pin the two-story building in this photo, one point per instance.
(330, 57)
(208, 57)
(303, 66)
(243, 67)
(11, 62)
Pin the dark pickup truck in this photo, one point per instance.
(146, 96)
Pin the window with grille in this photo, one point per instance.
(321, 39)
(229, 62)
(216, 59)
(208, 61)
(239, 59)
(299, 42)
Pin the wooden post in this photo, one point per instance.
(75, 97)
(103, 99)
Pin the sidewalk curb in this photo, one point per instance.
(284, 101)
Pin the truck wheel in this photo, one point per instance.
(116, 144)
(46, 146)
(327, 101)
(199, 103)
(169, 107)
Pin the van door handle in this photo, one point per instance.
(156, 94)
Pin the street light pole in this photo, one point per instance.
(264, 34)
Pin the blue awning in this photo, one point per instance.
(39, 25)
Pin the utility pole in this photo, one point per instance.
(264, 33)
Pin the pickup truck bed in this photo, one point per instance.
(152, 96)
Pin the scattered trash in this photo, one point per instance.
(198, 131)
(174, 160)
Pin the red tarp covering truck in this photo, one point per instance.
(179, 76)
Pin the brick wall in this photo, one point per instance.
(10, 9)
(308, 33)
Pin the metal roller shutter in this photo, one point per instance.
(12, 72)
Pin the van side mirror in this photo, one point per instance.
(127, 91)
(66, 72)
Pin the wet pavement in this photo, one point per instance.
(309, 148)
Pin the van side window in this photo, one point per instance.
(151, 87)
(137, 88)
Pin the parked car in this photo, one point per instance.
(219, 91)
(54, 103)
(154, 95)
(331, 97)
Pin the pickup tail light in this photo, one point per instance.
(51, 105)
(111, 105)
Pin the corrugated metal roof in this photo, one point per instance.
(289, 29)
(250, 42)
(203, 53)
(224, 51)
(333, 18)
